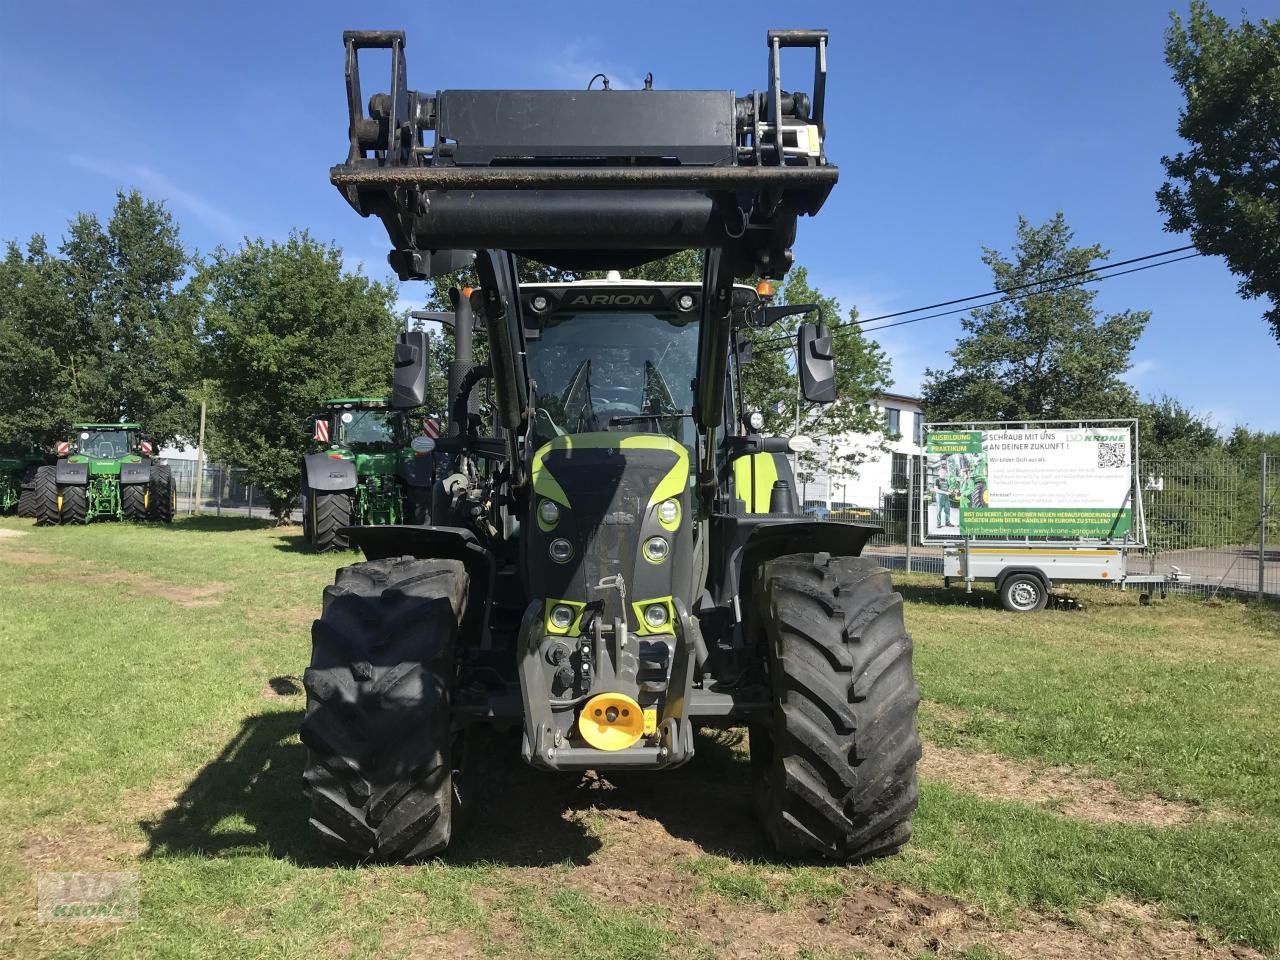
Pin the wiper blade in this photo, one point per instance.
(632, 418)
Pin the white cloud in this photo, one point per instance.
(578, 61)
(219, 221)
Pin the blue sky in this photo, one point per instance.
(947, 120)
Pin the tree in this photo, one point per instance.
(104, 330)
(1046, 355)
(1225, 189)
(287, 327)
(1168, 430)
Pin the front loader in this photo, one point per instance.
(620, 560)
(104, 472)
(368, 469)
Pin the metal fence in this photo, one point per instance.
(1215, 520)
(222, 491)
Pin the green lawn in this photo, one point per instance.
(148, 718)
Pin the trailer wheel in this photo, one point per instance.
(44, 494)
(834, 774)
(133, 501)
(387, 775)
(75, 504)
(162, 501)
(1023, 593)
(329, 513)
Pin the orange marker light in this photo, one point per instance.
(466, 293)
(764, 288)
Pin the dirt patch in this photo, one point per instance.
(6, 532)
(77, 847)
(297, 616)
(1061, 789)
(81, 572)
(27, 558)
(945, 713)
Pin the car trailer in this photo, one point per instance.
(1024, 574)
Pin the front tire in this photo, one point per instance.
(329, 513)
(133, 501)
(75, 504)
(45, 496)
(834, 774)
(162, 497)
(385, 768)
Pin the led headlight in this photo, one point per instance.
(549, 512)
(655, 549)
(668, 511)
(539, 303)
(561, 616)
(685, 301)
(655, 615)
(561, 550)
(754, 420)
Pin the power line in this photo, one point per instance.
(1032, 293)
(1100, 268)
(1104, 270)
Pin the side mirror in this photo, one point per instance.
(817, 362)
(409, 382)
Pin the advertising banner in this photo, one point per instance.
(1044, 482)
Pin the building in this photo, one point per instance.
(881, 474)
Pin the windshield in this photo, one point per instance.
(104, 444)
(369, 428)
(629, 372)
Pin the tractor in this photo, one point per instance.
(368, 469)
(18, 465)
(619, 559)
(105, 472)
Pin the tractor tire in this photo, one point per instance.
(162, 503)
(329, 513)
(133, 501)
(387, 775)
(45, 497)
(75, 504)
(26, 506)
(834, 774)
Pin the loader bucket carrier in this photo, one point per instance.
(587, 179)
(613, 555)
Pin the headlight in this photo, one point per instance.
(561, 616)
(685, 301)
(538, 303)
(655, 615)
(561, 550)
(549, 512)
(655, 549)
(755, 420)
(668, 511)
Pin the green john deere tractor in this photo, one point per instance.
(18, 465)
(104, 472)
(620, 559)
(366, 471)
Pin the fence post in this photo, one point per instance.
(1262, 527)
(250, 501)
(911, 484)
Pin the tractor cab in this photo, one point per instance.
(113, 442)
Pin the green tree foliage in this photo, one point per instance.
(1225, 188)
(1045, 356)
(1169, 430)
(103, 330)
(287, 327)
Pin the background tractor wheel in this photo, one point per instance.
(384, 770)
(27, 496)
(133, 501)
(45, 496)
(329, 512)
(835, 773)
(75, 504)
(163, 501)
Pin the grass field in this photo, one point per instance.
(1097, 782)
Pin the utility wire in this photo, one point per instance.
(1101, 268)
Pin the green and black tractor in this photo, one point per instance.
(104, 472)
(619, 559)
(370, 468)
(18, 465)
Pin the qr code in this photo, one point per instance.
(1113, 455)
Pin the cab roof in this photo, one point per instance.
(106, 426)
(376, 402)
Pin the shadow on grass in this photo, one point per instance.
(212, 524)
(294, 542)
(248, 801)
(953, 596)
